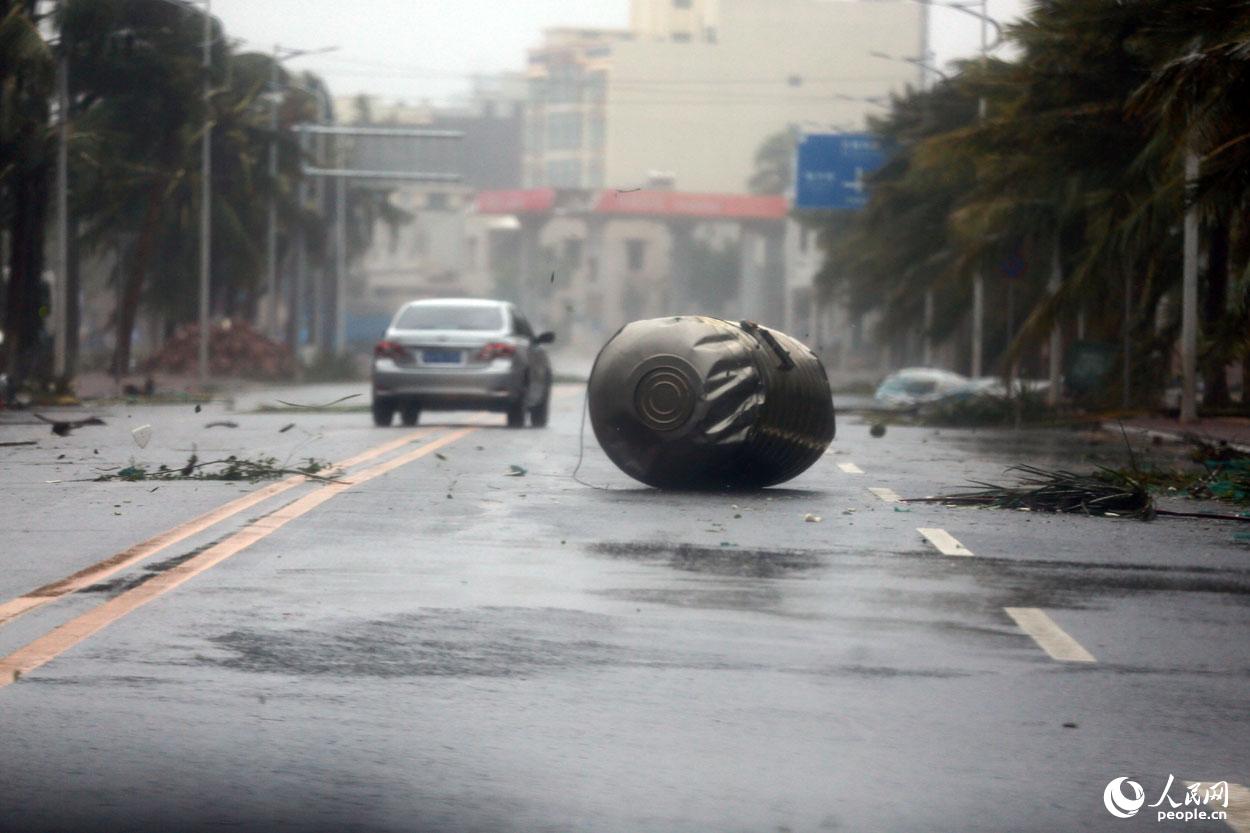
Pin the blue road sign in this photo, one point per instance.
(831, 167)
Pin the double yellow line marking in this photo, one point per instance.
(56, 642)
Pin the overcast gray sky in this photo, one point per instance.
(416, 49)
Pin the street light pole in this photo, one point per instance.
(1189, 299)
(271, 245)
(340, 251)
(271, 237)
(978, 279)
(206, 194)
(60, 303)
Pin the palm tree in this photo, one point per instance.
(26, 81)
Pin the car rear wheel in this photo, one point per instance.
(383, 413)
(540, 412)
(410, 414)
(516, 414)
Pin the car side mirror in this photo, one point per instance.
(545, 338)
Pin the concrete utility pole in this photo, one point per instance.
(978, 280)
(60, 303)
(1056, 336)
(340, 252)
(1189, 301)
(271, 244)
(206, 193)
(271, 235)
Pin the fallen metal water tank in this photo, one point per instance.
(694, 402)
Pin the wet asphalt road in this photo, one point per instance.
(445, 647)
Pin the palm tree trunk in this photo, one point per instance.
(22, 326)
(132, 292)
(1214, 307)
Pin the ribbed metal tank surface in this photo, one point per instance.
(694, 402)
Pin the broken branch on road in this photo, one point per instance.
(63, 427)
(231, 468)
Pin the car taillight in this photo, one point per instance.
(496, 350)
(389, 350)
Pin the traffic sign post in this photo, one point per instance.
(831, 167)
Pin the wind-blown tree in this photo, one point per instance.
(135, 67)
(26, 83)
(1194, 100)
(774, 164)
(900, 247)
(1059, 164)
(1078, 166)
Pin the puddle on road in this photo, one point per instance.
(720, 561)
(482, 642)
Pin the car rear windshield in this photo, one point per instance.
(450, 317)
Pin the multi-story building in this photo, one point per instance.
(694, 87)
(431, 254)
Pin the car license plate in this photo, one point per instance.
(442, 356)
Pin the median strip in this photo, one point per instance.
(1050, 637)
(101, 570)
(61, 639)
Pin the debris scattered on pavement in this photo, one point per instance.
(235, 349)
(812, 519)
(62, 428)
(440, 456)
(222, 423)
(231, 468)
(148, 389)
(286, 427)
(877, 430)
(516, 471)
(22, 442)
(338, 401)
(1105, 492)
(142, 435)
(198, 409)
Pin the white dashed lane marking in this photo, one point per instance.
(850, 468)
(888, 495)
(1050, 637)
(944, 541)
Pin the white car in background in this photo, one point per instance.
(456, 354)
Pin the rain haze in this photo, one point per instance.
(624, 416)
(424, 49)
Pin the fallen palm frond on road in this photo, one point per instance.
(1106, 492)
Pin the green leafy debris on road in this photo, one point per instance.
(233, 468)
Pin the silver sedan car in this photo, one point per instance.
(461, 354)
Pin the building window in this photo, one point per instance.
(681, 37)
(598, 132)
(436, 201)
(564, 173)
(682, 4)
(635, 253)
(564, 131)
(572, 252)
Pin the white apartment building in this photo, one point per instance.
(694, 87)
